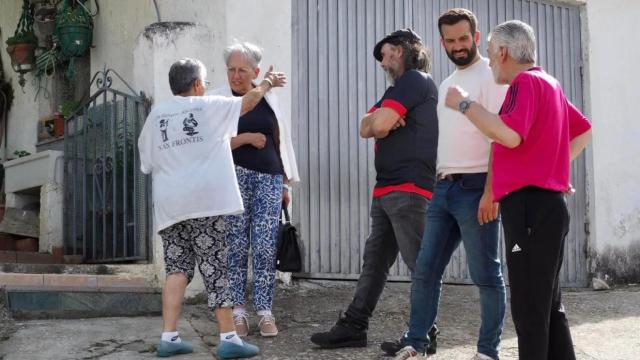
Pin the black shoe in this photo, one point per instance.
(343, 334)
(392, 347)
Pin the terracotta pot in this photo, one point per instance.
(58, 125)
(22, 55)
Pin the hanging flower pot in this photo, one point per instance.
(45, 19)
(74, 27)
(75, 39)
(22, 45)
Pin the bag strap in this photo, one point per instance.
(286, 214)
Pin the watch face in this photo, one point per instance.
(464, 105)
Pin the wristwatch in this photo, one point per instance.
(463, 106)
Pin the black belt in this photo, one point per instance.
(455, 177)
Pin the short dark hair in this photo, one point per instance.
(416, 55)
(184, 73)
(454, 16)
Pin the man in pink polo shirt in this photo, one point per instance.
(536, 135)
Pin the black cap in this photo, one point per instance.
(395, 38)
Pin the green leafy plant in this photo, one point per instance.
(68, 107)
(23, 38)
(21, 153)
(74, 16)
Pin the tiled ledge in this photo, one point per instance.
(75, 282)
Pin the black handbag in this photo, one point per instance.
(288, 257)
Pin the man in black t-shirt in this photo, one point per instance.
(405, 127)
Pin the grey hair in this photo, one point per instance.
(183, 73)
(250, 51)
(519, 39)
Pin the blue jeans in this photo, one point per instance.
(452, 217)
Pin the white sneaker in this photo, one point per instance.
(409, 353)
(481, 356)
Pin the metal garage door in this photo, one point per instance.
(335, 81)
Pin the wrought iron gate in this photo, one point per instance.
(106, 197)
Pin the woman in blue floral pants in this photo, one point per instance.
(257, 229)
(264, 160)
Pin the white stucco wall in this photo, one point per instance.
(613, 95)
(25, 111)
(144, 63)
(264, 22)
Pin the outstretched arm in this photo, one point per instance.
(253, 97)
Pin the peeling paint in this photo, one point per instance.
(621, 264)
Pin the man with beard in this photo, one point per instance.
(405, 127)
(462, 208)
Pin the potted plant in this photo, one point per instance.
(21, 48)
(74, 27)
(22, 45)
(65, 110)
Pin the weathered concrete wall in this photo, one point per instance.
(154, 53)
(612, 93)
(202, 33)
(156, 50)
(23, 117)
(264, 22)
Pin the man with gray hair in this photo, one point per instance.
(536, 135)
(184, 145)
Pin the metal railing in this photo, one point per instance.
(107, 215)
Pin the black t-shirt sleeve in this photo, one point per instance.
(379, 103)
(410, 90)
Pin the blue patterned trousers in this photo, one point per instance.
(256, 228)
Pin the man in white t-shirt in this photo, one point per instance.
(184, 145)
(462, 208)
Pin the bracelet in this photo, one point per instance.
(286, 187)
(269, 81)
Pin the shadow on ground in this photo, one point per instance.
(605, 325)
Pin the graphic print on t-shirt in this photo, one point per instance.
(164, 124)
(190, 125)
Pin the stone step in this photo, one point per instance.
(72, 268)
(35, 296)
(29, 257)
(74, 282)
(29, 304)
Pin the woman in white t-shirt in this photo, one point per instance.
(264, 164)
(184, 145)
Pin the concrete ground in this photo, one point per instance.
(605, 325)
